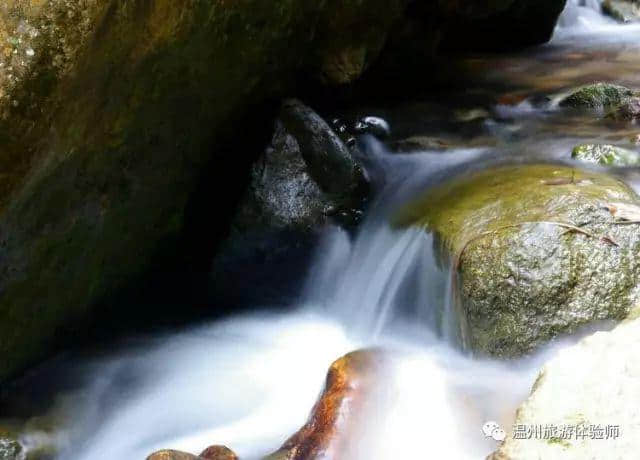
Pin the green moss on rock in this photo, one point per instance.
(538, 254)
(597, 96)
(606, 155)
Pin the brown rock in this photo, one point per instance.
(218, 453)
(351, 382)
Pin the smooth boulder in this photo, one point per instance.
(583, 403)
(538, 250)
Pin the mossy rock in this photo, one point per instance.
(597, 96)
(536, 250)
(606, 155)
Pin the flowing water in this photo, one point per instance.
(249, 382)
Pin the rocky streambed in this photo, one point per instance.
(447, 235)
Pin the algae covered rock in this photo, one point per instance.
(597, 96)
(538, 252)
(584, 400)
(606, 155)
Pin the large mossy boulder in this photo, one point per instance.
(537, 250)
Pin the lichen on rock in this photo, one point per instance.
(537, 250)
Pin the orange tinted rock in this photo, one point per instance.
(218, 453)
(341, 410)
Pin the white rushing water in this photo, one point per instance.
(250, 382)
(583, 21)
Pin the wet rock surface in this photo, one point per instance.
(606, 155)
(342, 407)
(591, 388)
(598, 96)
(538, 252)
(306, 179)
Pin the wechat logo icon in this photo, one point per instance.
(494, 431)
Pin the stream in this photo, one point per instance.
(249, 381)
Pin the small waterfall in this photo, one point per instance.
(584, 18)
(386, 276)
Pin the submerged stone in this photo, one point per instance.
(606, 155)
(597, 96)
(537, 252)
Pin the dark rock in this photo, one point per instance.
(306, 178)
(306, 175)
(499, 25)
